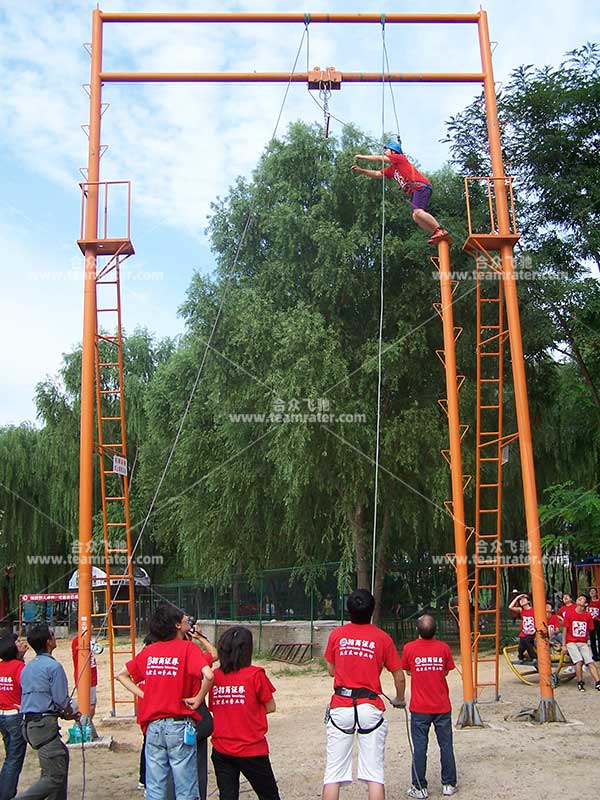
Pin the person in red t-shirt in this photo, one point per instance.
(93, 680)
(567, 603)
(594, 609)
(554, 624)
(11, 721)
(411, 181)
(577, 623)
(356, 654)
(428, 660)
(240, 700)
(522, 607)
(176, 678)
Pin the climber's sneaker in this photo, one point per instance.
(438, 235)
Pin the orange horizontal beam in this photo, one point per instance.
(343, 18)
(285, 77)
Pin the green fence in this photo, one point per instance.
(282, 595)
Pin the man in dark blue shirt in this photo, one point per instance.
(45, 698)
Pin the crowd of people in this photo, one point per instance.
(574, 627)
(188, 690)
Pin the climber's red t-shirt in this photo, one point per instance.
(404, 173)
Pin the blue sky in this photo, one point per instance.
(182, 146)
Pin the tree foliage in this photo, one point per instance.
(251, 486)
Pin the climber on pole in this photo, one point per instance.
(411, 181)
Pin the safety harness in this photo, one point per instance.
(411, 186)
(355, 694)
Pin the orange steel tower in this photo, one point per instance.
(501, 240)
(469, 715)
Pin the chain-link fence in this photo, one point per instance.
(285, 596)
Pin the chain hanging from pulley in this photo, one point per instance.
(324, 95)
(325, 80)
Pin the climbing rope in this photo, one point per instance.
(387, 64)
(381, 309)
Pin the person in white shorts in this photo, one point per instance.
(578, 623)
(356, 654)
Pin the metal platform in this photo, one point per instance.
(108, 247)
(489, 242)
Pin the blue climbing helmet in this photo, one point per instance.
(395, 146)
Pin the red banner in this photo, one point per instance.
(44, 598)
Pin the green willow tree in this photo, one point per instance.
(298, 332)
(550, 119)
(39, 470)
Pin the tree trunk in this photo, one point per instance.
(578, 358)
(360, 548)
(381, 564)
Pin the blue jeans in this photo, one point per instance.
(15, 746)
(166, 752)
(419, 731)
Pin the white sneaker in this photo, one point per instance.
(448, 789)
(417, 794)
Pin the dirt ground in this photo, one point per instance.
(504, 759)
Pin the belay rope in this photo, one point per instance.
(381, 309)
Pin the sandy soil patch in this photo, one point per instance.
(502, 760)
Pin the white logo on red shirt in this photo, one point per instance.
(529, 626)
(363, 648)
(429, 663)
(579, 628)
(162, 665)
(228, 695)
(6, 683)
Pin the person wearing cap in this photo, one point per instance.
(45, 698)
(411, 181)
(11, 667)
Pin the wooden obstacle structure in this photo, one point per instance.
(292, 652)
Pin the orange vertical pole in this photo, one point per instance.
(86, 448)
(548, 710)
(469, 716)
